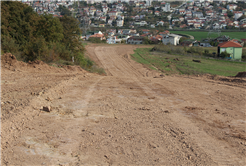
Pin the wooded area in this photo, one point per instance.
(30, 36)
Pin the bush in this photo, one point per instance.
(224, 54)
(206, 51)
(37, 49)
(244, 55)
(9, 44)
(96, 40)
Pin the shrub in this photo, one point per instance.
(9, 44)
(224, 54)
(37, 49)
(244, 55)
(96, 40)
(206, 51)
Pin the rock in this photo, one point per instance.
(48, 99)
(47, 109)
(60, 98)
(2, 103)
(144, 108)
(166, 111)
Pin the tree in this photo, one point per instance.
(50, 28)
(229, 14)
(71, 32)
(64, 11)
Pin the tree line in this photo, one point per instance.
(40, 37)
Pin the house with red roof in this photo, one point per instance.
(233, 48)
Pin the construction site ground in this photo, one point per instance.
(131, 116)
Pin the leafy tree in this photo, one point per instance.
(64, 11)
(71, 33)
(229, 14)
(50, 28)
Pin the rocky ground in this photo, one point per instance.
(132, 116)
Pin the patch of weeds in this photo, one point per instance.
(96, 69)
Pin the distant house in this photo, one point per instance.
(113, 40)
(233, 48)
(205, 43)
(91, 33)
(145, 31)
(172, 39)
(143, 23)
(189, 43)
(99, 36)
(135, 40)
(157, 13)
(120, 23)
(222, 39)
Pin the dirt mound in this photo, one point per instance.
(9, 62)
(241, 74)
(8, 58)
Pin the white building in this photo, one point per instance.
(125, 1)
(98, 1)
(237, 15)
(166, 8)
(148, 2)
(120, 23)
(112, 1)
(172, 39)
(143, 23)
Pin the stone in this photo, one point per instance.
(47, 108)
(2, 103)
(48, 99)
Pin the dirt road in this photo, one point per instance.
(132, 116)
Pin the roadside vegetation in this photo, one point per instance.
(178, 61)
(31, 37)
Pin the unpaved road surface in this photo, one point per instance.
(132, 116)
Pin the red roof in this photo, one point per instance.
(229, 44)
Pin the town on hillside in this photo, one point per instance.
(197, 14)
(150, 21)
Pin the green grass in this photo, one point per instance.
(167, 64)
(137, 56)
(201, 35)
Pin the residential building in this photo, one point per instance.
(135, 40)
(148, 2)
(166, 8)
(233, 48)
(237, 14)
(172, 39)
(120, 23)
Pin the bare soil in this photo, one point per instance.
(132, 116)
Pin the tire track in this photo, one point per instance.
(216, 149)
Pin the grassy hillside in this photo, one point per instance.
(180, 64)
(199, 35)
